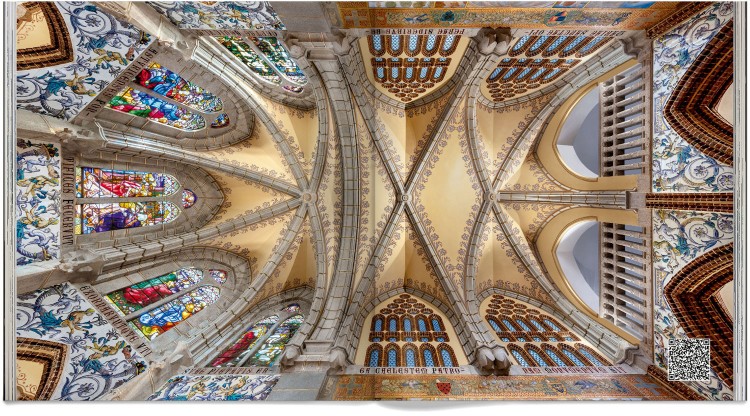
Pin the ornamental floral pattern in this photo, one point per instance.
(98, 358)
(677, 166)
(216, 388)
(679, 237)
(225, 15)
(103, 48)
(37, 202)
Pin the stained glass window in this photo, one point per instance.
(275, 344)
(530, 324)
(407, 325)
(401, 318)
(222, 120)
(96, 218)
(392, 353)
(113, 183)
(552, 325)
(573, 358)
(411, 358)
(247, 55)
(219, 276)
(523, 325)
(494, 325)
(140, 104)
(429, 360)
(277, 54)
(538, 358)
(188, 198)
(436, 325)
(167, 83)
(234, 355)
(162, 319)
(538, 326)
(139, 295)
(551, 354)
(374, 358)
(590, 357)
(269, 59)
(446, 356)
(291, 308)
(519, 358)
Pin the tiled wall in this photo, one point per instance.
(67, 350)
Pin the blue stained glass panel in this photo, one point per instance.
(538, 326)
(411, 358)
(495, 326)
(521, 42)
(509, 325)
(392, 325)
(590, 357)
(407, 325)
(422, 325)
(374, 358)
(551, 354)
(519, 358)
(573, 358)
(539, 360)
(552, 325)
(436, 325)
(447, 361)
(378, 325)
(429, 360)
(392, 358)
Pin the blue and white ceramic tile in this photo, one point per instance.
(103, 47)
(216, 388)
(98, 360)
(677, 166)
(678, 238)
(37, 197)
(223, 15)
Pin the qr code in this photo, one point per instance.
(689, 359)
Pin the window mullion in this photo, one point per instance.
(262, 340)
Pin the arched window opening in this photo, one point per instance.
(92, 182)
(374, 357)
(551, 354)
(291, 308)
(219, 276)
(406, 319)
(272, 348)
(160, 320)
(169, 84)
(133, 298)
(393, 356)
(533, 326)
(522, 361)
(579, 268)
(268, 59)
(593, 358)
(541, 362)
(137, 103)
(114, 183)
(234, 355)
(188, 198)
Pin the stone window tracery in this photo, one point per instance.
(529, 334)
(408, 333)
(425, 64)
(262, 343)
(156, 305)
(95, 185)
(554, 56)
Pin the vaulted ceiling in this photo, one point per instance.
(423, 148)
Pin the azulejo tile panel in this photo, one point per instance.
(677, 166)
(103, 48)
(224, 15)
(216, 388)
(37, 197)
(98, 358)
(473, 387)
(678, 238)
